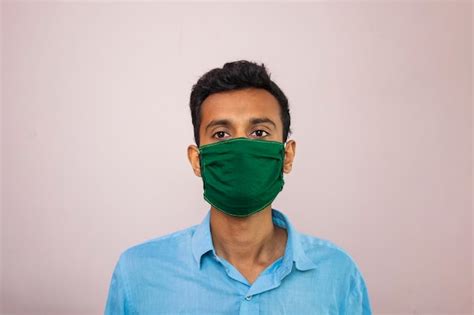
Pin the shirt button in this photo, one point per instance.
(248, 297)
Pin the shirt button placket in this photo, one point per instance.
(249, 306)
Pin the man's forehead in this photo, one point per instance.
(245, 104)
(241, 96)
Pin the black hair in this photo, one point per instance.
(234, 76)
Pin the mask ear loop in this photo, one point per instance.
(284, 155)
(201, 169)
(199, 154)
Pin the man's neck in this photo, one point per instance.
(249, 241)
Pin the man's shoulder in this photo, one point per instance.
(161, 246)
(327, 253)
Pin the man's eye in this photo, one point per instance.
(220, 134)
(260, 133)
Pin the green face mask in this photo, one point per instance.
(242, 176)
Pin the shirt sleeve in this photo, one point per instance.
(117, 300)
(358, 302)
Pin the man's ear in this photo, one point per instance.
(193, 157)
(290, 151)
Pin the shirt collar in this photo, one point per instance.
(294, 252)
(201, 241)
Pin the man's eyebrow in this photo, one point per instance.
(256, 121)
(218, 122)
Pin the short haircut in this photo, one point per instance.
(234, 76)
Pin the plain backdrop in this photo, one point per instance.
(95, 125)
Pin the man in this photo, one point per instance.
(245, 257)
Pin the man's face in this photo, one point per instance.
(252, 113)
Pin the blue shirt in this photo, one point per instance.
(180, 273)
